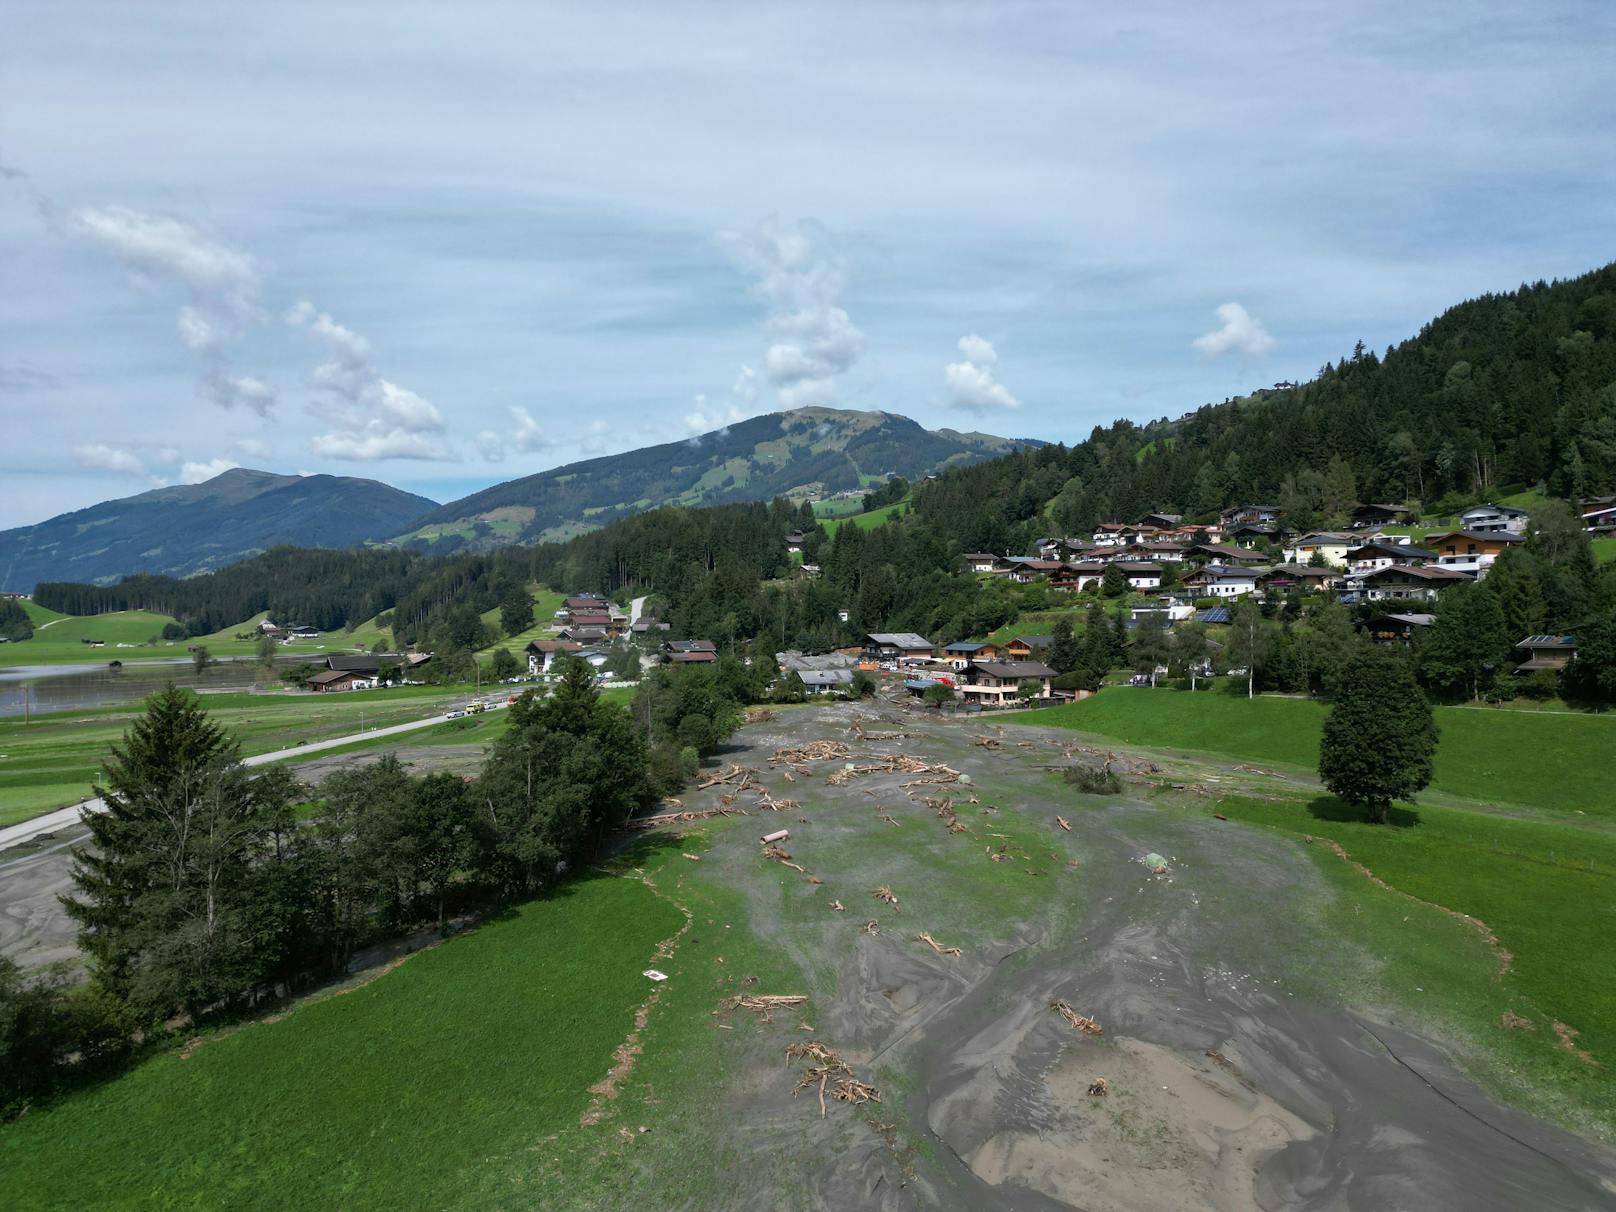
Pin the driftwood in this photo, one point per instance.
(825, 1068)
(675, 818)
(764, 1001)
(886, 894)
(935, 945)
(776, 855)
(1081, 1021)
(1099, 1087)
(871, 927)
(838, 907)
(1064, 823)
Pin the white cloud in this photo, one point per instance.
(526, 437)
(166, 454)
(196, 473)
(375, 441)
(705, 420)
(254, 448)
(800, 275)
(102, 457)
(491, 446)
(163, 247)
(197, 332)
(971, 383)
(227, 391)
(375, 417)
(596, 442)
(1241, 331)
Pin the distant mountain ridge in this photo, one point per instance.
(811, 450)
(193, 528)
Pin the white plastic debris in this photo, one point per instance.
(655, 975)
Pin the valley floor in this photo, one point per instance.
(1281, 1027)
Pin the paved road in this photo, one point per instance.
(67, 818)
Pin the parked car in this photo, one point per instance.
(456, 714)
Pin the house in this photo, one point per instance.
(792, 659)
(1471, 551)
(1114, 534)
(1407, 582)
(1161, 521)
(585, 635)
(1221, 581)
(982, 561)
(1296, 576)
(1249, 534)
(1171, 611)
(543, 654)
(1329, 545)
(1492, 519)
(1077, 577)
(1367, 517)
(1598, 514)
(962, 653)
(1381, 553)
(1159, 549)
(826, 681)
(646, 624)
(896, 646)
(999, 683)
(1024, 647)
(690, 651)
(305, 633)
(794, 542)
(329, 680)
(1026, 569)
(1239, 515)
(1141, 574)
(1546, 652)
(1397, 628)
(809, 570)
(1221, 553)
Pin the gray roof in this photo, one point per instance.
(826, 677)
(1007, 670)
(906, 640)
(801, 662)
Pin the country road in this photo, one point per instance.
(66, 818)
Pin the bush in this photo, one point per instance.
(1540, 684)
(175, 631)
(1206, 603)
(1094, 780)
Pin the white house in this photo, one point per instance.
(1491, 519)
(1331, 545)
(1222, 581)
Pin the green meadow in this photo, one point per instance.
(1545, 760)
(866, 521)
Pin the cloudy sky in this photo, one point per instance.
(445, 245)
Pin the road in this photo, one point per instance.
(67, 818)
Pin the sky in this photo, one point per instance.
(448, 245)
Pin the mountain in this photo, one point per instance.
(806, 451)
(197, 527)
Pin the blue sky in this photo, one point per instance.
(448, 245)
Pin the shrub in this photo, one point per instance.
(1094, 780)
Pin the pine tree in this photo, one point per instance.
(1379, 737)
(1064, 652)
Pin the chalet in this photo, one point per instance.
(1546, 652)
(1407, 582)
(809, 570)
(329, 680)
(1380, 553)
(645, 624)
(1078, 576)
(1240, 515)
(1025, 647)
(1114, 534)
(826, 681)
(1296, 576)
(896, 646)
(687, 651)
(794, 542)
(1493, 519)
(1221, 581)
(1367, 517)
(961, 653)
(1397, 628)
(1249, 534)
(1159, 549)
(1221, 553)
(982, 561)
(1141, 574)
(543, 654)
(1598, 514)
(1026, 569)
(305, 633)
(1329, 545)
(589, 604)
(585, 635)
(1471, 551)
(998, 683)
(1161, 521)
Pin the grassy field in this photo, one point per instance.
(469, 1064)
(136, 635)
(841, 507)
(1605, 548)
(1549, 761)
(53, 760)
(866, 521)
(1546, 889)
(545, 603)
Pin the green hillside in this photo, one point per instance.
(805, 452)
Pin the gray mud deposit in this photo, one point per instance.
(1225, 1089)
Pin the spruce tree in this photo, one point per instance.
(1379, 737)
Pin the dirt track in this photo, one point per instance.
(1227, 1089)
